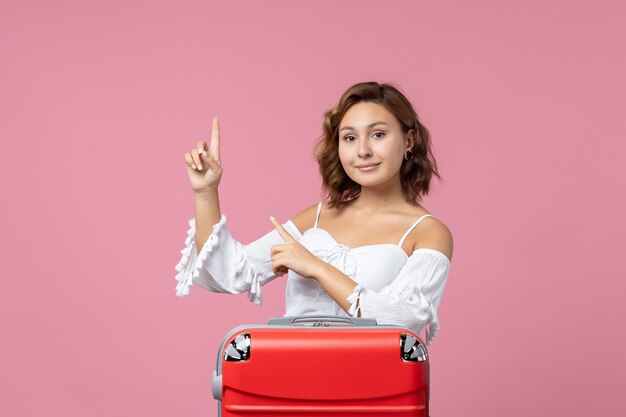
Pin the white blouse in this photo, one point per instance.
(392, 287)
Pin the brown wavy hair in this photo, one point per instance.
(415, 174)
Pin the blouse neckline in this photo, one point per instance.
(357, 247)
(427, 250)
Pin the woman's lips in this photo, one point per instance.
(369, 168)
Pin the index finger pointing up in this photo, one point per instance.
(281, 231)
(214, 149)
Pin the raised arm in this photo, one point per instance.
(204, 169)
(212, 258)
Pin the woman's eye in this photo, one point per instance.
(347, 137)
(379, 133)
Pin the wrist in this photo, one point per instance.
(206, 193)
(322, 271)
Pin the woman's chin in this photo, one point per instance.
(369, 182)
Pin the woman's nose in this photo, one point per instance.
(364, 149)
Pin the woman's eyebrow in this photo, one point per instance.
(371, 125)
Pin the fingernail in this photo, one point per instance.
(272, 218)
(200, 150)
(200, 167)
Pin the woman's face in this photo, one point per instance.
(370, 134)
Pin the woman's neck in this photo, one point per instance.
(380, 198)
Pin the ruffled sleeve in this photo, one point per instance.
(225, 265)
(412, 299)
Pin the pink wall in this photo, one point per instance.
(525, 102)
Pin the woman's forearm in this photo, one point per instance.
(208, 214)
(338, 285)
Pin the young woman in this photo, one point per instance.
(368, 249)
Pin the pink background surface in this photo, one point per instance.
(100, 100)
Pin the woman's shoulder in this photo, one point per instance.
(305, 219)
(432, 233)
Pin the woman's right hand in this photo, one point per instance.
(204, 168)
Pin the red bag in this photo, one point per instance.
(322, 365)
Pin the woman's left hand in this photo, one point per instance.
(292, 255)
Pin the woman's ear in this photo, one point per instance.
(410, 137)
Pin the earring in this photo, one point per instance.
(408, 158)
